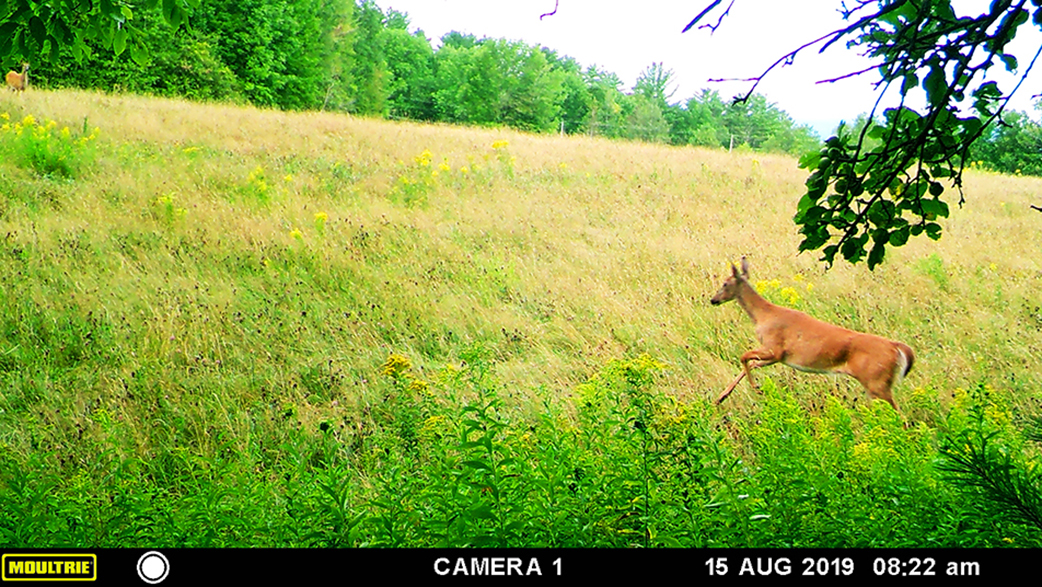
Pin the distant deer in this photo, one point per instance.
(808, 344)
(17, 82)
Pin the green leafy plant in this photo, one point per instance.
(45, 148)
(979, 461)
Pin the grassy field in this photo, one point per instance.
(222, 326)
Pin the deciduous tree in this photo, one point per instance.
(40, 28)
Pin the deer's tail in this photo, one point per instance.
(905, 357)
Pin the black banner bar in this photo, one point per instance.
(701, 566)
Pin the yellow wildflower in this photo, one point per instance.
(433, 425)
(424, 158)
(395, 365)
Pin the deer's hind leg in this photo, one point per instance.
(880, 389)
(877, 378)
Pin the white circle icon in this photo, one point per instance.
(153, 567)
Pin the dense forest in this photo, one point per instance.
(355, 57)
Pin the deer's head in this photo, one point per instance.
(729, 290)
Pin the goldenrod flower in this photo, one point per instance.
(395, 365)
(433, 424)
(424, 158)
(499, 145)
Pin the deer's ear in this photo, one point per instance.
(745, 268)
(734, 270)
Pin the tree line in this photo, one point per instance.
(355, 57)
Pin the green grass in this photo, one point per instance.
(232, 327)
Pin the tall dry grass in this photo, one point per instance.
(587, 249)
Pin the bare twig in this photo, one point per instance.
(784, 59)
(705, 11)
(712, 27)
(556, 2)
(853, 73)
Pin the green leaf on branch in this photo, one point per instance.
(119, 41)
(139, 53)
(900, 236)
(1010, 61)
(810, 160)
(38, 30)
(875, 256)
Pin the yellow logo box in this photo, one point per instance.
(50, 567)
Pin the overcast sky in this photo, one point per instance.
(627, 37)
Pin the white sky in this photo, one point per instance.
(626, 37)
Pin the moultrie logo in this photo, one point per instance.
(50, 567)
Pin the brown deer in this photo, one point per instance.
(17, 82)
(808, 344)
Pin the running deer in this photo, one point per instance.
(18, 81)
(808, 344)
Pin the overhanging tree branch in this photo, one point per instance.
(873, 191)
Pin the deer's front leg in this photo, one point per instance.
(761, 357)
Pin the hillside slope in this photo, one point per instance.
(195, 281)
